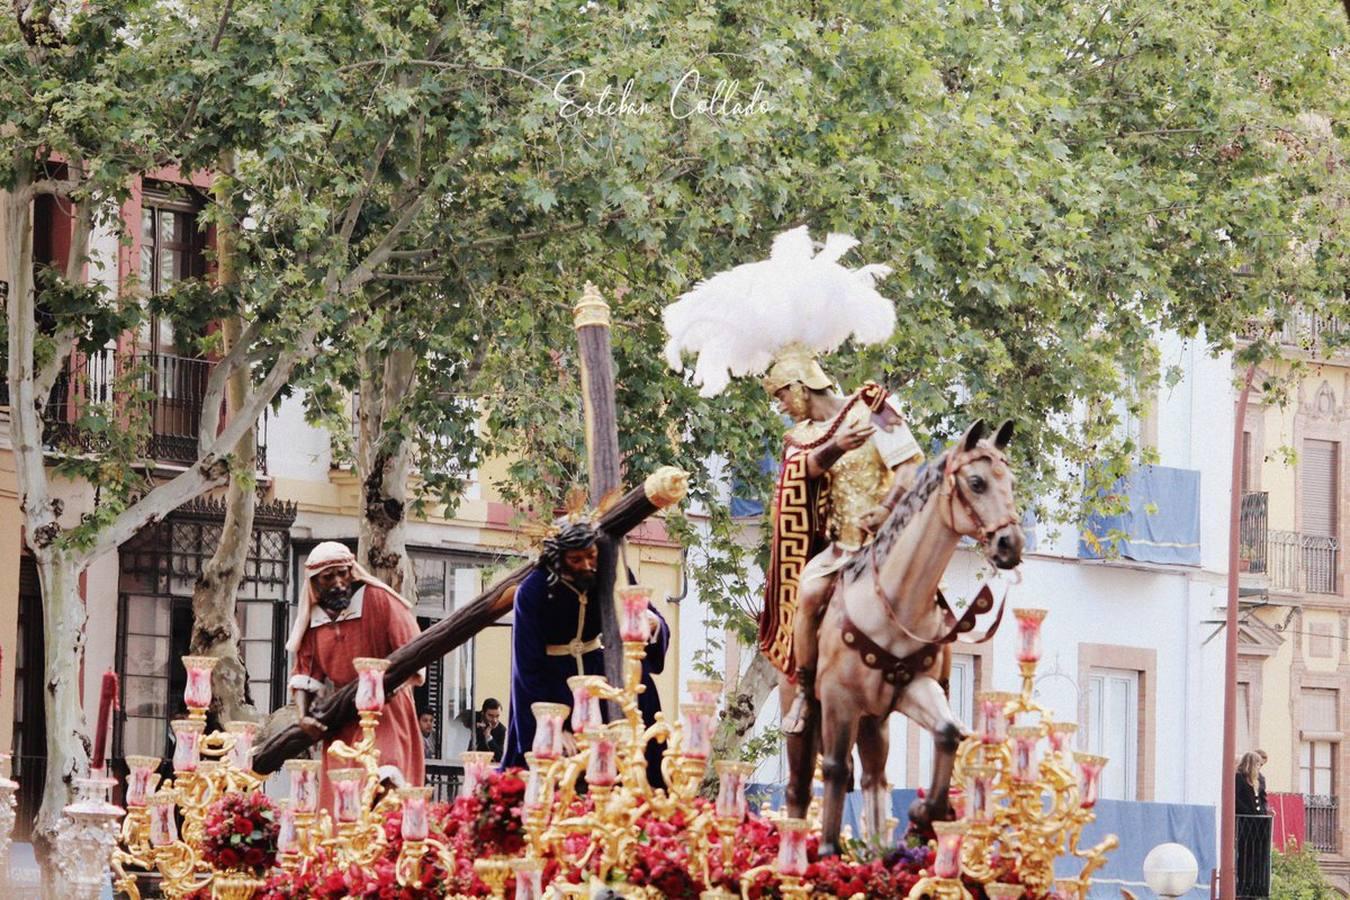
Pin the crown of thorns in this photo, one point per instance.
(571, 535)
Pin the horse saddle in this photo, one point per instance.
(901, 670)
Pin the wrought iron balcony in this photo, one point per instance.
(1304, 331)
(1322, 823)
(1252, 532)
(1303, 563)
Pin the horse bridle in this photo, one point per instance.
(952, 491)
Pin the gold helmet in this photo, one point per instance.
(796, 363)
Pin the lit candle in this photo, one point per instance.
(163, 826)
(529, 878)
(369, 683)
(731, 780)
(1024, 751)
(634, 626)
(288, 841)
(304, 784)
(141, 778)
(792, 847)
(414, 812)
(476, 764)
(586, 715)
(347, 784)
(696, 720)
(1029, 634)
(979, 806)
(602, 769)
(705, 691)
(107, 699)
(548, 730)
(1089, 777)
(197, 692)
(993, 718)
(187, 752)
(947, 862)
(241, 753)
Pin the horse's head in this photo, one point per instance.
(978, 488)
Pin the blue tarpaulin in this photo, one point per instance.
(1139, 826)
(1162, 524)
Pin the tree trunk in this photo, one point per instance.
(383, 459)
(742, 709)
(215, 628)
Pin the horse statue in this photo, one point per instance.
(885, 641)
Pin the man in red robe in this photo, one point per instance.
(346, 613)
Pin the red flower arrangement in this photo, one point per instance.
(241, 833)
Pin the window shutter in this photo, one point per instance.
(1320, 714)
(1319, 488)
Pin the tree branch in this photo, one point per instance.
(215, 384)
(47, 375)
(353, 212)
(215, 45)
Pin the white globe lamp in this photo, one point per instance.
(1170, 870)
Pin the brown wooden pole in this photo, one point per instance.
(591, 320)
(663, 488)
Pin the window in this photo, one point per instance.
(171, 245)
(445, 582)
(1321, 724)
(961, 695)
(1316, 768)
(1318, 466)
(1113, 728)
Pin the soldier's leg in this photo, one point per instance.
(812, 592)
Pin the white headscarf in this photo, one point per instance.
(328, 555)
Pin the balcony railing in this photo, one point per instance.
(173, 388)
(1322, 823)
(1252, 533)
(1309, 332)
(1303, 563)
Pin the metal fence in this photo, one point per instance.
(1306, 563)
(1252, 531)
(1253, 856)
(444, 780)
(1322, 823)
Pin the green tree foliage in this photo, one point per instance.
(1295, 875)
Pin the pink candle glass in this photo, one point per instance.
(241, 753)
(304, 784)
(980, 799)
(187, 748)
(696, 721)
(1089, 777)
(369, 683)
(197, 692)
(586, 716)
(1029, 623)
(415, 823)
(347, 784)
(476, 765)
(548, 729)
(732, 778)
(534, 783)
(705, 691)
(529, 878)
(993, 719)
(163, 825)
(792, 859)
(633, 625)
(947, 862)
(141, 779)
(288, 839)
(1024, 739)
(1061, 735)
(602, 769)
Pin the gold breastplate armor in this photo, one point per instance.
(854, 486)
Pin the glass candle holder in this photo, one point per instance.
(980, 794)
(1000, 891)
(415, 823)
(476, 764)
(602, 768)
(957, 797)
(696, 722)
(197, 692)
(792, 859)
(633, 625)
(1089, 777)
(732, 778)
(163, 824)
(1061, 735)
(288, 839)
(947, 862)
(993, 718)
(369, 683)
(347, 784)
(1029, 623)
(586, 715)
(304, 775)
(1024, 739)
(141, 778)
(241, 753)
(187, 748)
(548, 729)
(534, 783)
(529, 878)
(705, 691)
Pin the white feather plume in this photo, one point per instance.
(735, 322)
